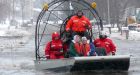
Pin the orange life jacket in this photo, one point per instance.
(78, 24)
(77, 47)
(82, 48)
(85, 48)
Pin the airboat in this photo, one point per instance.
(54, 17)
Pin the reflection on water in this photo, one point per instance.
(85, 73)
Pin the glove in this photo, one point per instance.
(86, 26)
(113, 53)
(88, 54)
(95, 54)
(68, 30)
(47, 56)
(67, 55)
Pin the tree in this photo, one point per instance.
(5, 12)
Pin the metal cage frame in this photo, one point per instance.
(81, 2)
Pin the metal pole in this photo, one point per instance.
(22, 11)
(127, 34)
(13, 16)
(108, 3)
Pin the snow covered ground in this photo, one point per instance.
(133, 35)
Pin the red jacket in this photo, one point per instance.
(105, 43)
(78, 24)
(54, 50)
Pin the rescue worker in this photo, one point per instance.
(75, 47)
(54, 49)
(78, 24)
(106, 43)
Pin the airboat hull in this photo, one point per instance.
(53, 64)
(118, 62)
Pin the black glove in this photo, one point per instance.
(86, 26)
(67, 55)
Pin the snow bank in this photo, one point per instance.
(17, 32)
(114, 30)
(3, 26)
(117, 36)
(2, 33)
(133, 35)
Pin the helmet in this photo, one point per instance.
(103, 34)
(55, 36)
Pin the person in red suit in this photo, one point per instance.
(54, 49)
(104, 42)
(78, 24)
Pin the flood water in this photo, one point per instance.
(19, 61)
